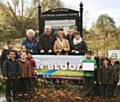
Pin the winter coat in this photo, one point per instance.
(115, 72)
(70, 39)
(4, 54)
(60, 46)
(11, 69)
(31, 45)
(46, 42)
(105, 74)
(81, 47)
(25, 69)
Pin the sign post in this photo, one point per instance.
(61, 19)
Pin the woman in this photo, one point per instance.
(30, 43)
(105, 77)
(61, 45)
(79, 47)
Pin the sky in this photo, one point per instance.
(94, 8)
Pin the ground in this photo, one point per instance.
(65, 91)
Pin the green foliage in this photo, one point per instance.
(105, 23)
(50, 4)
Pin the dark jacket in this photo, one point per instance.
(98, 63)
(81, 47)
(115, 72)
(10, 69)
(46, 43)
(4, 56)
(70, 39)
(31, 45)
(105, 74)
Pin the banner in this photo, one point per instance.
(56, 66)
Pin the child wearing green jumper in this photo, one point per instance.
(89, 75)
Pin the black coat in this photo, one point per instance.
(81, 47)
(46, 43)
(105, 74)
(115, 72)
(10, 69)
(4, 56)
(70, 39)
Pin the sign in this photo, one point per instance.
(56, 66)
(60, 19)
(86, 66)
(114, 52)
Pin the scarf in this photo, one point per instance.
(75, 42)
(61, 42)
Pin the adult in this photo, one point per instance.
(79, 46)
(46, 41)
(105, 78)
(70, 37)
(115, 74)
(98, 58)
(61, 45)
(29, 42)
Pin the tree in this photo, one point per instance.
(50, 4)
(23, 14)
(105, 25)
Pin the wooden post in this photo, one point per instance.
(81, 19)
(39, 18)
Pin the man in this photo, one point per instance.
(98, 58)
(70, 37)
(46, 41)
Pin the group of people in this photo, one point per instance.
(18, 66)
(60, 44)
(105, 78)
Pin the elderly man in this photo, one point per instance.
(29, 42)
(46, 41)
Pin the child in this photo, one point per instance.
(4, 55)
(88, 80)
(105, 77)
(10, 73)
(115, 75)
(33, 64)
(25, 73)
